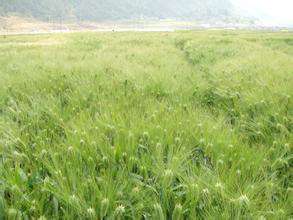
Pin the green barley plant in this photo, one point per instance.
(182, 125)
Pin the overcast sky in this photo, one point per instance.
(269, 11)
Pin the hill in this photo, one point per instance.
(101, 10)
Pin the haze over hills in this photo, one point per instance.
(269, 13)
(111, 10)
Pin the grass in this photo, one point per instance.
(183, 125)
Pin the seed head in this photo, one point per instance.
(130, 134)
(104, 207)
(168, 173)
(243, 200)
(119, 193)
(46, 180)
(177, 212)
(124, 156)
(12, 213)
(206, 191)
(16, 154)
(135, 190)
(158, 212)
(159, 145)
(120, 210)
(73, 199)
(32, 208)
(70, 149)
(105, 160)
(220, 162)
(219, 185)
(43, 153)
(194, 187)
(91, 212)
(145, 135)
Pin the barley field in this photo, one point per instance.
(181, 125)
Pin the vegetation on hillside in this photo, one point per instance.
(100, 10)
(177, 125)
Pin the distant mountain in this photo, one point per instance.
(111, 10)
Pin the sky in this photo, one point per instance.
(276, 12)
